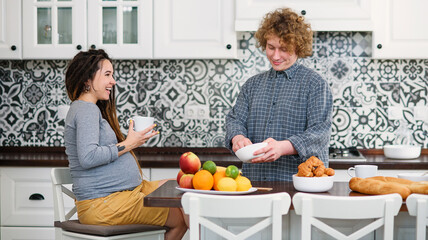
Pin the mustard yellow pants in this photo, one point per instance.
(120, 208)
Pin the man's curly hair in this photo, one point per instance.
(292, 30)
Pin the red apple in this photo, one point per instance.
(186, 181)
(189, 163)
(180, 173)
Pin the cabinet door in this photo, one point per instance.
(10, 29)
(18, 188)
(327, 15)
(194, 29)
(163, 173)
(123, 28)
(26, 197)
(400, 29)
(53, 29)
(27, 233)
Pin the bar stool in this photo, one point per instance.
(204, 208)
(311, 207)
(417, 205)
(73, 229)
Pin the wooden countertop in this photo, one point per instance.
(169, 158)
(168, 196)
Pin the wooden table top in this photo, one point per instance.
(168, 196)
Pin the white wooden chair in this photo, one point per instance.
(417, 205)
(72, 229)
(383, 208)
(203, 208)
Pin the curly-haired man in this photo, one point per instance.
(288, 106)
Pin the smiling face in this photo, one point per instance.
(278, 57)
(102, 84)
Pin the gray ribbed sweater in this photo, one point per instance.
(95, 167)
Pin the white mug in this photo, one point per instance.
(363, 171)
(141, 123)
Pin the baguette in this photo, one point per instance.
(393, 179)
(378, 187)
(419, 187)
(415, 187)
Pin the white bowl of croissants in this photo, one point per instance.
(313, 176)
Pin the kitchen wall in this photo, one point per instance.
(376, 102)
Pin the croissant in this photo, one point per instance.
(313, 166)
(329, 171)
(319, 171)
(315, 162)
(305, 170)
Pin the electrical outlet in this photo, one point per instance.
(189, 112)
(196, 112)
(203, 112)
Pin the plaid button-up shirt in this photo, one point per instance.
(294, 105)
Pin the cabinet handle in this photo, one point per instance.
(36, 196)
(379, 46)
(303, 12)
(13, 47)
(78, 47)
(228, 46)
(93, 46)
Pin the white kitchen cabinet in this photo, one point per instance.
(26, 197)
(27, 233)
(123, 28)
(27, 203)
(184, 29)
(198, 29)
(60, 29)
(10, 29)
(327, 15)
(53, 29)
(400, 30)
(163, 173)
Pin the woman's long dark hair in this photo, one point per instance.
(82, 68)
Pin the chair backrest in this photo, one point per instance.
(61, 177)
(383, 208)
(417, 205)
(202, 207)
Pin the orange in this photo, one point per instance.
(221, 173)
(203, 180)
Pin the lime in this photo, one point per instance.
(210, 167)
(232, 171)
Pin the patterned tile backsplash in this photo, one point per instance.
(376, 102)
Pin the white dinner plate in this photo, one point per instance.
(216, 192)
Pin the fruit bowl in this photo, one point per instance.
(402, 151)
(313, 184)
(246, 153)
